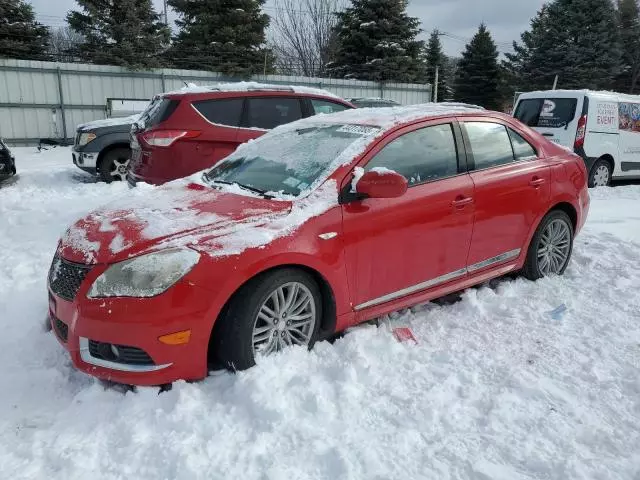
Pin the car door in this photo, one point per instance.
(512, 188)
(261, 114)
(219, 138)
(400, 246)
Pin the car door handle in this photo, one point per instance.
(461, 202)
(537, 182)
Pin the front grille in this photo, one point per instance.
(66, 277)
(61, 329)
(119, 353)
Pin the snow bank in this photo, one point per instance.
(497, 388)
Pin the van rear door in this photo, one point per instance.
(555, 118)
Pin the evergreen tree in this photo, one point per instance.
(119, 32)
(629, 27)
(436, 59)
(20, 35)
(477, 78)
(376, 40)
(574, 39)
(226, 36)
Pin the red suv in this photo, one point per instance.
(189, 130)
(315, 227)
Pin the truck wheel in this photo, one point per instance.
(600, 175)
(114, 165)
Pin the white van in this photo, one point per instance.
(602, 127)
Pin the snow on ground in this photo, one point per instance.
(497, 388)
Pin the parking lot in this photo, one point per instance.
(517, 380)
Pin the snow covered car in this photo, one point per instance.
(102, 147)
(316, 226)
(7, 162)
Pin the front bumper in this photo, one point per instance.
(86, 161)
(136, 323)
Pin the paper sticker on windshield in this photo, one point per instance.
(358, 130)
(291, 182)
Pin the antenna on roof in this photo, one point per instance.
(185, 83)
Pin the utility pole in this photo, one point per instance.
(555, 83)
(435, 86)
(166, 21)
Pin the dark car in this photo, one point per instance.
(102, 147)
(7, 162)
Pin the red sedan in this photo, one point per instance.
(317, 226)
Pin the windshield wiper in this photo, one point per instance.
(245, 187)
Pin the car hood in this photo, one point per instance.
(115, 124)
(173, 215)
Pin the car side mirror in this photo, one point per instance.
(382, 183)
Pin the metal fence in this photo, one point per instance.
(47, 100)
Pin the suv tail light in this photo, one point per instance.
(164, 138)
(581, 132)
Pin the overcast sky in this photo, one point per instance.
(505, 18)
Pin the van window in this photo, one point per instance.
(546, 112)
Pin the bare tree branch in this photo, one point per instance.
(303, 34)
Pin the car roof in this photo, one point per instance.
(389, 117)
(252, 87)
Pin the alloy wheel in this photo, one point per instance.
(601, 176)
(287, 317)
(119, 169)
(554, 248)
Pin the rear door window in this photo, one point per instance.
(326, 106)
(271, 112)
(490, 144)
(546, 112)
(225, 111)
(521, 148)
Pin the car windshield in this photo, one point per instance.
(287, 162)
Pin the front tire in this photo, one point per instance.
(114, 165)
(601, 174)
(551, 247)
(271, 312)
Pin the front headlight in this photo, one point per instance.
(145, 276)
(86, 138)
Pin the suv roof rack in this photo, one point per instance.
(275, 88)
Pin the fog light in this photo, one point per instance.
(178, 338)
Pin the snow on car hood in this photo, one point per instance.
(108, 122)
(178, 214)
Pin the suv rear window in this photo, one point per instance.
(158, 111)
(225, 111)
(546, 112)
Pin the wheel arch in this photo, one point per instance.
(329, 311)
(109, 148)
(567, 208)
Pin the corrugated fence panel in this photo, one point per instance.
(31, 107)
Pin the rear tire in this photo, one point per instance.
(114, 165)
(601, 173)
(551, 247)
(243, 332)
